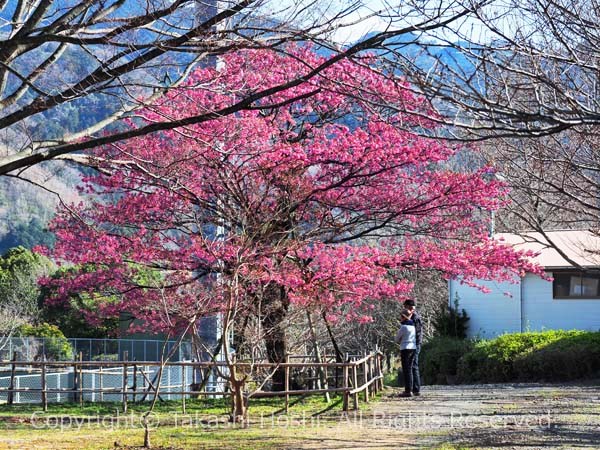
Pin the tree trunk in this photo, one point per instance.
(239, 405)
(338, 353)
(274, 312)
(322, 380)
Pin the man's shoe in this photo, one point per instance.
(405, 394)
(416, 394)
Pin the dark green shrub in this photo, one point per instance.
(535, 356)
(575, 355)
(439, 357)
(55, 345)
(478, 365)
(451, 321)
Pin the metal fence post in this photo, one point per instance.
(125, 356)
(94, 375)
(58, 376)
(43, 385)
(80, 378)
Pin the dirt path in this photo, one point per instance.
(523, 416)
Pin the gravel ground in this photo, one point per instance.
(507, 416)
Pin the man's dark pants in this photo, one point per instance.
(416, 376)
(407, 358)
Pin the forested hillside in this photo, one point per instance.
(26, 208)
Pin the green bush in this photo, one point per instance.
(439, 357)
(575, 355)
(56, 345)
(451, 321)
(535, 356)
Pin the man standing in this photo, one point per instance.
(406, 338)
(410, 305)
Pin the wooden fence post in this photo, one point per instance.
(124, 389)
(44, 393)
(75, 382)
(345, 386)
(183, 387)
(287, 384)
(325, 381)
(134, 387)
(355, 382)
(379, 371)
(366, 380)
(144, 370)
(373, 373)
(11, 385)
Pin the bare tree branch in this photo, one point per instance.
(130, 51)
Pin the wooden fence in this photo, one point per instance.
(358, 375)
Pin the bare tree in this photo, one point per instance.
(512, 68)
(431, 294)
(13, 314)
(554, 180)
(60, 58)
(524, 76)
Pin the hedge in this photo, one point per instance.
(439, 358)
(553, 355)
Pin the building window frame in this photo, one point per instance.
(565, 285)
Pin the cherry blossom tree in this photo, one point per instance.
(319, 198)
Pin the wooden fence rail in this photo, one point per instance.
(369, 367)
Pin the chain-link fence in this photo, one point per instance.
(95, 384)
(60, 349)
(30, 365)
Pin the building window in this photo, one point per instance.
(576, 285)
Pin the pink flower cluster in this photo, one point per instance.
(320, 188)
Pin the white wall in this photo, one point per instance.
(493, 313)
(541, 311)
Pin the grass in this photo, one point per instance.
(205, 425)
(179, 437)
(391, 378)
(209, 407)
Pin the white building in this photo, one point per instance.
(570, 301)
